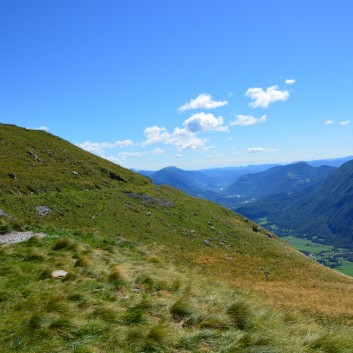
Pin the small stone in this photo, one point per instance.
(74, 173)
(43, 210)
(207, 242)
(12, 175)
(58, 273)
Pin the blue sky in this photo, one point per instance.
(195, 84)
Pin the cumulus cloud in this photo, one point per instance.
(246, 120)
(182, 139)
(260, 149)
(155, 134)
(202, 101)
(185, 138)
(101, 146)
(329, 122)
(343, 123)
(289, 82)
(204, 122)
(263, 98)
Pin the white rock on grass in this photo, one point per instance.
(58, 273)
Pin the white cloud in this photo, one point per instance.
(204, 122)
(101, 146)
(246, 120)
(329, 122)
(343, 123)
(114, 159)
(157, 151)
(43, 128)
(202, 101)
(183, 139)
(289, 82)
(264, 98)
(155, 134)
(260, 149)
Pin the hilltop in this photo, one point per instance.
(99, 215)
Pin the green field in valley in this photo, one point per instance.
(325, 254)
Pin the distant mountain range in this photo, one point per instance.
(234, 186)
(323, 211)
(287, 179)
(312, 199)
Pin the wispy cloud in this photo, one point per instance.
(260, 149)
(158, 151)
(123, 156)
(344, 123)
(42, 128)
(263, 98)
(246, 120)
(289, 82)
(130, 154)
(101, 146)
(202, 101)
(329, 122)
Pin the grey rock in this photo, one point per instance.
(207, 242)
(34, 156)
(43, 210)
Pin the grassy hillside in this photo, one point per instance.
(105, 212)
(120, 297)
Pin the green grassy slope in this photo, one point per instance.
(89, 195)
(119, 297)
